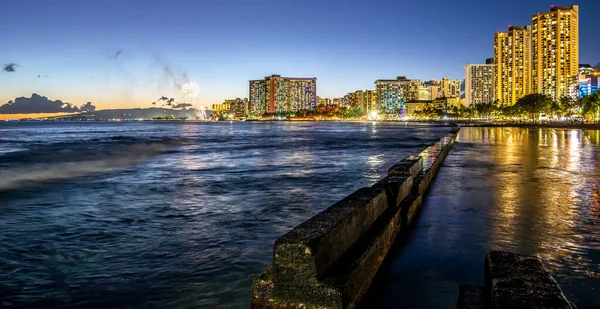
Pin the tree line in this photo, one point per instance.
(529, 107)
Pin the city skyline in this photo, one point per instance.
(123, 65)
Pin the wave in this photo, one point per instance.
(20, 177)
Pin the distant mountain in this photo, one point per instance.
(597, 67)
(139, 113)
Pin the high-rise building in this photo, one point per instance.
(392, 93)
(276, 94)
(555, 50)
(433, 88)
(479, 84)
(371, 100)
(512, 73)
(390, 96)
(448, 88)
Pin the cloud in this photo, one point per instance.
(87, 107)
(114, 55)
(182, 105)
(41, 104)
(10, 67)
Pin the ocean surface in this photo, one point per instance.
(530, 191)
(174, 214)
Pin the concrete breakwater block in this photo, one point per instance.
(321, 240)
(471, 297)
(514, 281)
(396, 188)
(409, 166)
(521, 281)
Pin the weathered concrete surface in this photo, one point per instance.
(304, 254)
(521, 281)
(409, 166)
(396, 188)
(410, 207)
(471, 297)
(330, 260)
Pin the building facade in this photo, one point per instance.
(448, 88)
(555, 50)
(370, 100)
(390, 95)
(235, 108)
(479, 84)
(277, 94)
(512, 64)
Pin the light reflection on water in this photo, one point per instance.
(531, 191)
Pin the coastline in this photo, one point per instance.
(581, 126)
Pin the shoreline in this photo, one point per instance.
(582, 126)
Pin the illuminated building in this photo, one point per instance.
(390, 96)
(586, 84)
(392, 93)
(512, 73)
(371, 100)
(586, 69)
(479, 84)
(235, 108)
(276, 94)
(448, 88)
(412, 107)
(433, 90)
(555, 50)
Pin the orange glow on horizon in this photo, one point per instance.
(33, 116)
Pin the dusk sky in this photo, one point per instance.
(221, 44)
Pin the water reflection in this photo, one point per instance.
(532, 191)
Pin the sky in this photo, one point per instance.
(222, 44)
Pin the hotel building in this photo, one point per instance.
(277, 94)
(512, 73)
(555, 50)
(479, 84)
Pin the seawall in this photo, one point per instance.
(330, 260)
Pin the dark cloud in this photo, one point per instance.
(10, 67)
(87, 107)
(170, 101)
(182, 105)
(41, 104)
(163, 98)
(153, 103)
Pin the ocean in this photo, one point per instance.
(170, 214)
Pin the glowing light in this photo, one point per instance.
(373, 115)
(189, 90)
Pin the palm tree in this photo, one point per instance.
(591, 105)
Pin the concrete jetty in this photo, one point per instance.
(514, 281)
(330, 260)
